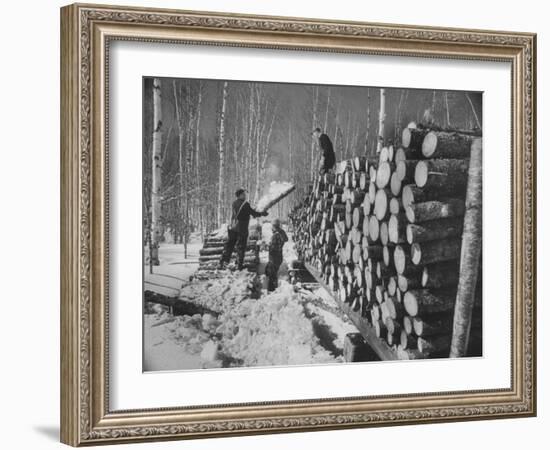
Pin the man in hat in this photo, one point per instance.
(238, 229)
(278, 239)
(328, 159)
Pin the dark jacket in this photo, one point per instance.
(328, 152)
(241, 215)
(278, 239)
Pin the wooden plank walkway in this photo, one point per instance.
(165, 284)
(380, 346)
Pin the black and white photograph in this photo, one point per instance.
(297, 224)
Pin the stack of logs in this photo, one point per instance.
(385, 234)
(212, 250)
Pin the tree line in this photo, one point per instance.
(203, 139)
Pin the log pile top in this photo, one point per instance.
(384, 235)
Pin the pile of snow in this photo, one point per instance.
(182, 342)
(277, 190)
(325, 297)
(218, 294)
(272, 331)
(275, 329)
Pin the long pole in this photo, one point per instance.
(469, 257)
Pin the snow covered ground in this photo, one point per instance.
(287, 327)
(174, 269)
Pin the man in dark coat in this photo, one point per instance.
(238, 229)
(278, 239)
(328, 159)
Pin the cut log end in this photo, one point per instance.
(421, 174)
(395, 184)
(399, 259)
(407, 195)
(425, 276)
(384, 233)
(395, 205)
(381, 206)
(383, 175)
(410, 303)
(374, 228)
(409, 234)
(406, 137)
(429, 144)
(408, 324)
(416, 254)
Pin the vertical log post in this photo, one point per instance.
(469, 258)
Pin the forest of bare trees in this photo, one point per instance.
(203, 139)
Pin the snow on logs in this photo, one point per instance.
(395, 227)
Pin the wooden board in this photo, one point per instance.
(381, 347)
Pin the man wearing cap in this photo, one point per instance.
(238, 229)
(278, 239)
(328, 159)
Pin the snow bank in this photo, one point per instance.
(218, 294)
(272, 331)
(275, 329)
(181, 343)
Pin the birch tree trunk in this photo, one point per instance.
(381, 121)
(182, 201)
(265, 151)
(326, 112)
(314, 125)
(257, 184)
(182, 180)
(478, 123)
(336, 124)
(347, 138)
(448, 117)
(156, 226)
(221, 153)
(397, 122)
(247, 155)
(291, 161)
(238, 169)
(367, 124)
(187, 172)
(199, 194)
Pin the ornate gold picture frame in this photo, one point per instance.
(86, 34)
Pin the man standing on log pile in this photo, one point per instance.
(238, 229)
(328, 159)
(278, 239)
